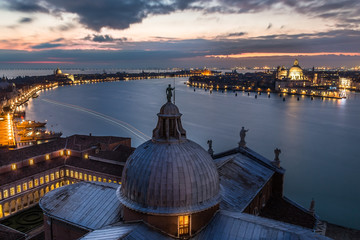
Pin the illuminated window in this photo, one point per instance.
(62, 173)
(52, 187)
(41, 180)
(76, 175)
(86, 156)
(57, 175)
(47, 157)
(1, 211)
(110, 180)
(71, 173)
(18, 188)
(67, 172)
(61, 153)
(68, 152)
(31, 184)
(90, 178)
(94, 178)
(47, 178)
(13, 166)
(31, 161)
(24, 186)
(104, 180)
(6, 193)
(36, 182)
(12, 191)
(80, 176)
(119, 182)
(85, 177)
(52, 177)
(99, 179)
(184, 225)
(0, 196)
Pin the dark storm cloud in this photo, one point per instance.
(116, 14)
(237, 34)
(121, 14)
(165, 53)
(26, 20)
(26, 6)
(47, 45)
(104, 38)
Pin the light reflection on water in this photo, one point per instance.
(318, 138)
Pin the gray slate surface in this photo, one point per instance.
(241, 178)
(89, 205)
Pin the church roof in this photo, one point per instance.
(241, 179)
(224, 226)
(88, 205)
(175, 178)
(234, 225)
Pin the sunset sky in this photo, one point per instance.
(179, 33)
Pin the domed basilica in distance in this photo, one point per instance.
(172, 188)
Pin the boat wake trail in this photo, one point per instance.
(118, 122)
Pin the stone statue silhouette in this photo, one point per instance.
(277, 152)
(169, 90)
(210, 150)
(243, 132)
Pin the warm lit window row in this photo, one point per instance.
(12, 206)
(87, 177)
(14, 166)
(5, 193)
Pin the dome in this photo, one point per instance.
(169, 109)
(296, 72)
(169, 179)
(169, 174)
(58, 71)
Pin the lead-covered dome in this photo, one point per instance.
(169, 174)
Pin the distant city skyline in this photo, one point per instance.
(179, 33)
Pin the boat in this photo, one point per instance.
(30, 124)
(39, 135)
(35, 95)
(19, 114)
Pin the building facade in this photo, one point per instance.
(27, 174)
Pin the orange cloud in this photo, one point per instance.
(259, 54)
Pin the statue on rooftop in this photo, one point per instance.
(312, 207)
(210, 150)
(277, 152)
(169, 90)
(276, 161)
(243, 132)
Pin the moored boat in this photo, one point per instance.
(30, 124)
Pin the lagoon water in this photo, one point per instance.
(319, 139)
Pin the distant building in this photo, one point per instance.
(295, 73)
(27, 174)
(59, 75)
(173, 189)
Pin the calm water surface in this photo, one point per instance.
(319, 139)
